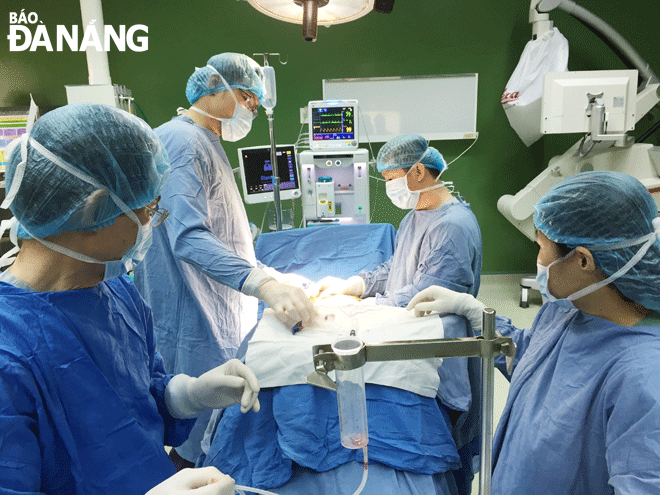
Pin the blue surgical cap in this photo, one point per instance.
(240, 72)
(602, 209)
(406, 151)
(204, 81)
(117, 150)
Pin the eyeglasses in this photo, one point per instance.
(156, 215)
(251, 101)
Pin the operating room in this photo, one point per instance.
(424, 43)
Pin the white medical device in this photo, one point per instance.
(334, 172)
(113, 95)
(335, 186)
(597, 102)
(257, 173)
(333, 125)
(603, 104)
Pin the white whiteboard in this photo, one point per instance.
(436, 107)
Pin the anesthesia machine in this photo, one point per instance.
(334, 171)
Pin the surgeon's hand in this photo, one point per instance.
(331, 286)
(445, 301)
(229, 384)
(290, 304)
(202, 481)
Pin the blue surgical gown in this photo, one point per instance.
(200, 257)
(432, 247)
(82, 406)
(583, 411)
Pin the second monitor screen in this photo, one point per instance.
(259, 169)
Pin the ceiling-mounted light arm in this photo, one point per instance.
(310, 17)
(540, 8)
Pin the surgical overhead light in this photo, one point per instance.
(310, 13)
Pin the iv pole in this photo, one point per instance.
(270, 100)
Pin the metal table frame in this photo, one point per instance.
(487, 346)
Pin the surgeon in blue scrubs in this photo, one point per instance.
(201, 274)
(86, 406)
(438, 242)
(583, 411)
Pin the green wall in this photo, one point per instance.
(420, 37)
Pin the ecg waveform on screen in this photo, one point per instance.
(333, 123)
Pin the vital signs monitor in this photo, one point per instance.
(257, 173)
(333, 125)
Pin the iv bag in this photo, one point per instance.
(270, 93)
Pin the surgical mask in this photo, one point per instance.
(240, 123)
(113, 268)
(399, 193)
(543, 272)
(543, 277)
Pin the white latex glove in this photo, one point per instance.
(229, 384)
(330, 286)
(290, 304)
(445, 301)
(202, 481)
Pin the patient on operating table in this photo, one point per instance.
(293, 444)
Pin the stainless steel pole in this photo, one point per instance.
(487, 392)
(276, 175)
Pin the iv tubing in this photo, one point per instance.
(242, 489)
(366, 470)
